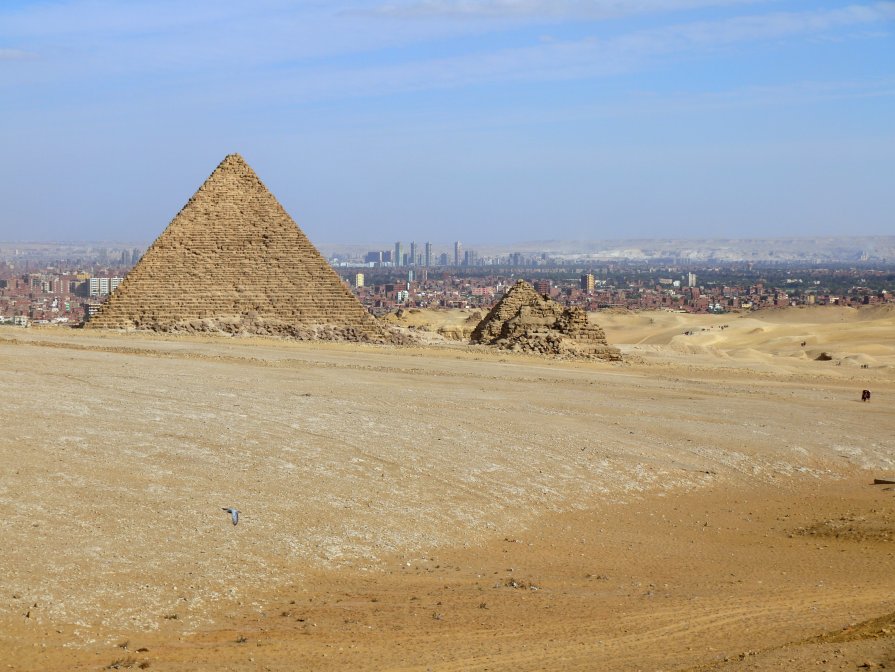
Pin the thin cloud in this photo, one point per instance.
(593, 57)
(764, 27)
(317, 53)
(102, 17)
(558, 59)
(15, 55)
(541, 9)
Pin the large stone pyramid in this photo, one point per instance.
(523, 320)
(233, 260)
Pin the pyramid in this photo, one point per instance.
(523, 320)
(233, 260)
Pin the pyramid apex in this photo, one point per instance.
(232, 165)
(233, 160)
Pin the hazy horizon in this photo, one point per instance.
(387, 244)
(817, 249)
(474, 120)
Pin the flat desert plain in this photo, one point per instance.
(707, 504)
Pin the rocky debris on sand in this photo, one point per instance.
(246, 326)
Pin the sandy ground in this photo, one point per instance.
(708, 504)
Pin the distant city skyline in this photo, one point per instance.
(444, 120)
(817, 250)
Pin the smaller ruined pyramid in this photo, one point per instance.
(233, 260)
(525, 321)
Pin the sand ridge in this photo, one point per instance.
(853, 337)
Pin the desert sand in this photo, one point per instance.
(707, 504)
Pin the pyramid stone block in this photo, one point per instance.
(233, 260)
(523, 320)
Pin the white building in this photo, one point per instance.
(103, 286)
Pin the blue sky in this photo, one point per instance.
(480, 120)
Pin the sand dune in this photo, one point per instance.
(852, 337)
(446, 507)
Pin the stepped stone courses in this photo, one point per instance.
(234, 261)
(523, 320)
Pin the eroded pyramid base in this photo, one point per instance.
(245, 326)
